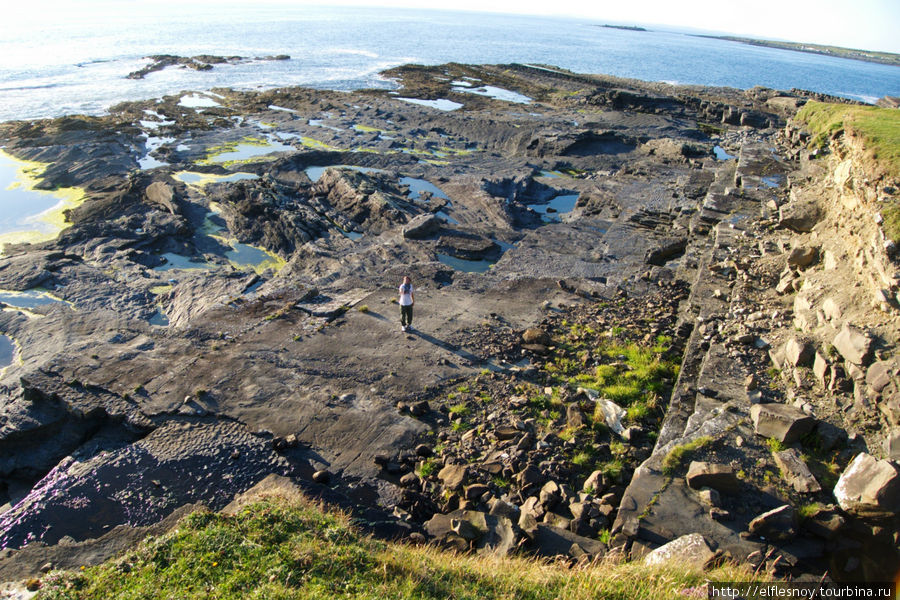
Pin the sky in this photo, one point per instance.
(861, 24)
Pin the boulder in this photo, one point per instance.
(892, 444)
(825, 523)
(488, 533)
(799, 215)
(869, 487)
(594, 483)
(798, 352)
(795, 471)
(162, 195)
(854, 344)
(529, 476)
(802, 256)
(549, 494)
(502, 508)
(776, 524)
(534, 335)
(832, 309)
(421, 227)
(690, 550)
(780, 421)
(475, 491)
(879, 374)
(711, 475)
(556, 541)
(453, 476)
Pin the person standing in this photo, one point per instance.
(407, 300)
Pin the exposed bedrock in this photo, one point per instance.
(609, 279)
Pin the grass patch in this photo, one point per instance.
(891, 223)
(278, 549)
(775, 445)
(878, 128)
(678, 455)
(364, 308)
(427, 468)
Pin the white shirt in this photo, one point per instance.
(406, 297)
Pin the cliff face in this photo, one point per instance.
(788, 402)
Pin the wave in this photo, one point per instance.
(15, 88)
(860, 97)
(352, 51)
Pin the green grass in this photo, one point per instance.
(428, 467)
(678, 455)
(775, 445)
(280, 550)
(878, 128)
(891, 224)
(459, 409)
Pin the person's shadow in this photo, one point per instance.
(465, 355)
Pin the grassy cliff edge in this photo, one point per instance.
(278, 548)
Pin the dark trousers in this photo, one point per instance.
(406, 315)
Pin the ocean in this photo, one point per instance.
(59, 63)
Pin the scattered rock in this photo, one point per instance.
(711, 475)
(802, 257)
(854, 345)
(421, 227)
(533, 335)
(776, 524)
(869, 487)
(780, 421)
(692, 551)
(453, 476)
(795, 471)
(798, 352)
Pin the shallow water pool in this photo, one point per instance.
(29, 298)
(466, 266)
(8, 350)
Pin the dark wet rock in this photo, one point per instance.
(710, 475)
(191, 462)
(780, 421)
(202, 62)
(869, 486)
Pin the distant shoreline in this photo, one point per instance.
(884, 58)
(625, 27)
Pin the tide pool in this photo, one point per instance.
(28, 214)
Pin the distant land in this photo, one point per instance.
(625, 27)
(885, 58)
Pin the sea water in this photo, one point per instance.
(76, 58)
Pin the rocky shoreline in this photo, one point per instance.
(646, 314)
